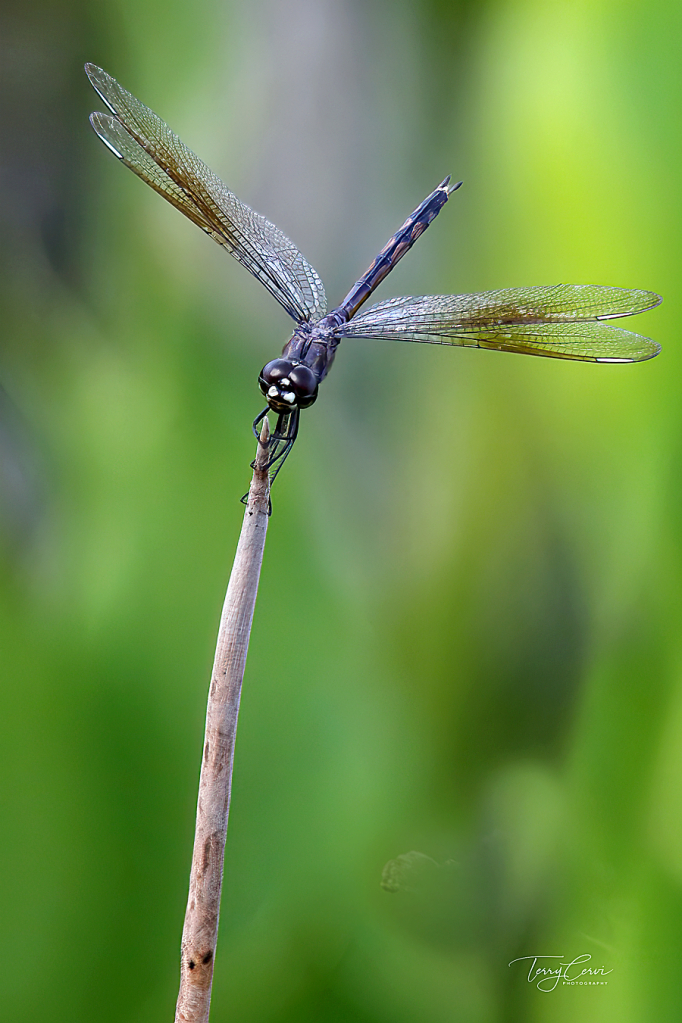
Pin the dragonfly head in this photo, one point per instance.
(287, 385)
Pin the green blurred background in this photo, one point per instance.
(467, 639)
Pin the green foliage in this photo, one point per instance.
(466, 639)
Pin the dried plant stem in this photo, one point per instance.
(203, 905)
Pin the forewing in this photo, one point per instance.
(147, 145)
(124, 146)
(564, 321)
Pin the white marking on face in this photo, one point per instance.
(272, 392)
(285, 382)
(289, 397)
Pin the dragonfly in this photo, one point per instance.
(562, 321)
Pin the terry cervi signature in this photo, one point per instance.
(547, 978)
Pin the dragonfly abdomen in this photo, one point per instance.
(394, 249)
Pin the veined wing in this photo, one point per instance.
(564, 321)
(145, 143)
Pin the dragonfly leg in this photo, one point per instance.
(280, 442)
(258, 420)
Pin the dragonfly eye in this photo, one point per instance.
(287, 385)
(272, 376)
(274, 372)
(304, 385)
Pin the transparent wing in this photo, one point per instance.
(564, 321)
(148, 146)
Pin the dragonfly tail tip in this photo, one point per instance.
(453, 188)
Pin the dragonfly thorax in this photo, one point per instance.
(287, 385)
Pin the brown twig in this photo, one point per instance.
(203, 905)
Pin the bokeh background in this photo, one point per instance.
(467, 640)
